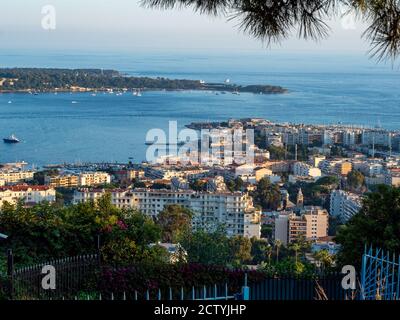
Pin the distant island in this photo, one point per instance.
(36, 80)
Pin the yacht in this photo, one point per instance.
(11, 139)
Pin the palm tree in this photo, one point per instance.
(278, 244)
(296, 248)
(273, 21)
(268, 252)
(325, 259)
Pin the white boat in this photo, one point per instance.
(74, 102)
(11, 139)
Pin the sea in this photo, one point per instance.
(324, 88)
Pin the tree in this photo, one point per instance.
(260, 250)
(267, 195)
(204, 247)
(273, 21)
(325, 259)
(377, 224)
(240, 248)
(235, 184)
(278, 244)
(355, 180)
(277, 153)
(174, 221)
(198, 185)
(49, 231)
(296, 248)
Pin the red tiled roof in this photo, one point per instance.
(25, 188)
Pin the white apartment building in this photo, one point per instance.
(376, 137)
(344, 205)
(372, 169)
(30, 194)
(305, 170)
(14, 177)
(98, 178)
(233, 210)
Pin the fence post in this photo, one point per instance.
(363, 271)
(98, 247)
(245, 289)
(10, 273)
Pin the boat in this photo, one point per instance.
(11, 139)
(74, 102)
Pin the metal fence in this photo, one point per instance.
(77, 280)
(321, 287)
(74, 274)
(380, 275)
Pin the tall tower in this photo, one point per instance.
(300, 199)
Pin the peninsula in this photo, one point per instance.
(35, 80)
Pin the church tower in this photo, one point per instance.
(300, 199)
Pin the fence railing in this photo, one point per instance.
(73, 275)
(380, 275)
(320, 287)
(76, 279)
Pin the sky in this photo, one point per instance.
(122, 25)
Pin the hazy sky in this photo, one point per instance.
(105, 25)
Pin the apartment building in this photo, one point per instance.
(305, 170)
(337, 166)
(312, 223)
(129, 175)
(94, 178)
(392, 177)
(376, 137)
(344, 205)
(15, 177)
(30, 194)
(62, 181)
(233, 210)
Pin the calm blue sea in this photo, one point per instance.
(324, 88)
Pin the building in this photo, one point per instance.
(392, 178)
(376, 137)
(304, 170)
(235, 211)
(62, 181)
(128, 175)
(97, 178)
(343, 168)
(344, 205)
(316, 159)
(337, 166)
(29, 194)
(312, 223)
(16, 177)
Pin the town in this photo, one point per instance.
(306, 181)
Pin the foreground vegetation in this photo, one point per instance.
(129, 240)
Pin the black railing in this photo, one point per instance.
(318, 287)
(73, 275)
(77, 278)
